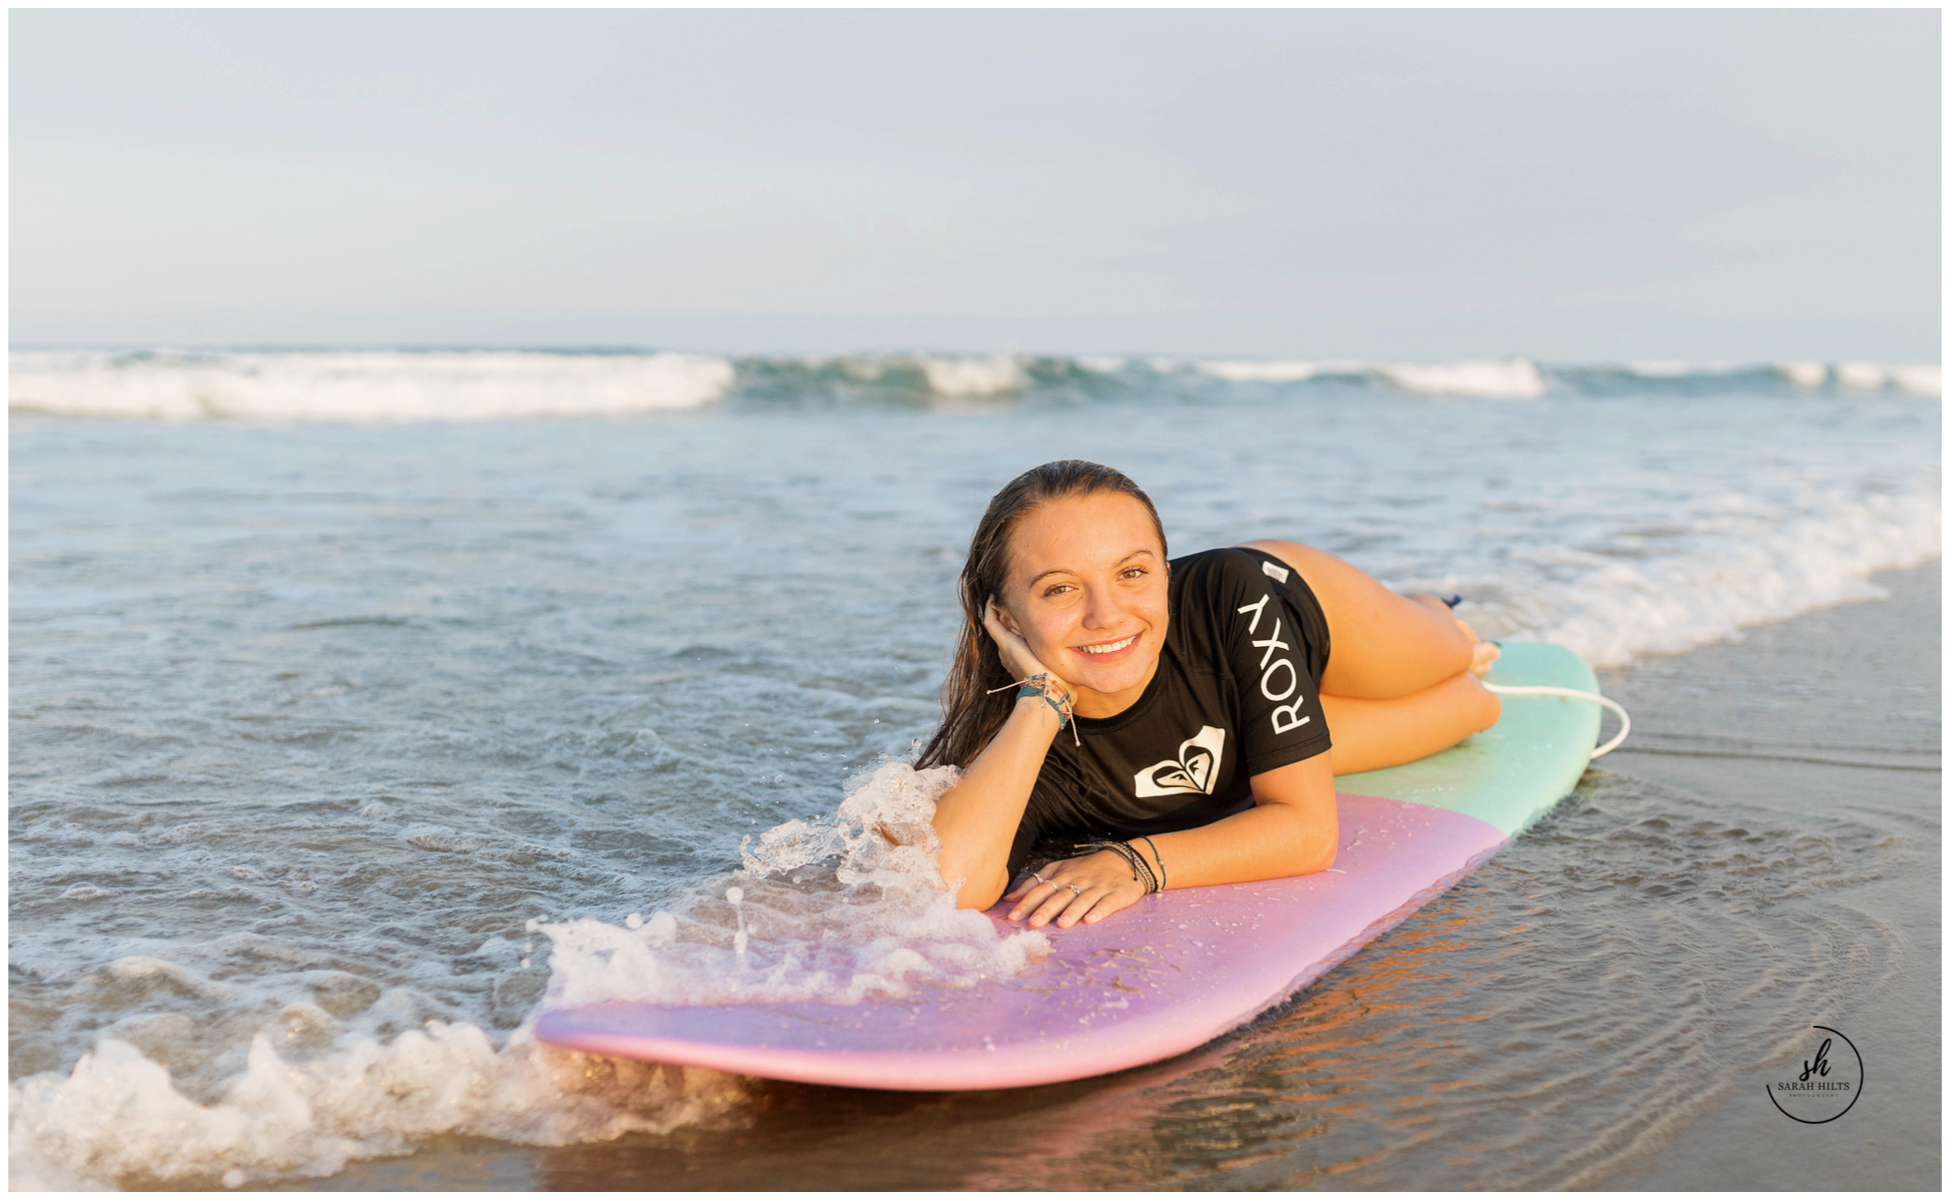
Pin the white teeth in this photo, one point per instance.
(1107, 647)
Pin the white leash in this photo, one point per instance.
(1623, 716)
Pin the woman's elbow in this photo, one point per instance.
(1320, 844)
(973, 895)
(972, 886)
(1318, 858)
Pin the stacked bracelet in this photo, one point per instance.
(1042, 685)
(1141, 871)
(1164, 880)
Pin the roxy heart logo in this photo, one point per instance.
(1195, 770)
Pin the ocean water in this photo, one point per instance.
(364, 703)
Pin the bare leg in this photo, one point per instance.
(1486, 653)
(1401, 675)
(1369, 734)
(1384, 644)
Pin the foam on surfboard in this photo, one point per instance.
(1175, 970)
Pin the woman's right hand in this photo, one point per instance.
(1016, 655)
(1088, 889)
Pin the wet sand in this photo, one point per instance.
(1836, 711)
(1435, 1059)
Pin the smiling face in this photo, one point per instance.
(1087, 590)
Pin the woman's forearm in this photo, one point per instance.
(978, 817)
(1292, 830)
(1271, 841)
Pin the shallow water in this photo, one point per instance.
(1539, 1026)
(309, 723)
(1470, 1030)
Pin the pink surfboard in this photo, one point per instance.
(1175, 970)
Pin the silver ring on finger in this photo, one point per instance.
(1037, 878)
(1073, 887)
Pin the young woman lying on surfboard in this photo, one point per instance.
(1125, 723)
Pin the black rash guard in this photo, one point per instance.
(1237, 693)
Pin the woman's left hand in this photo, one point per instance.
(1086, 889)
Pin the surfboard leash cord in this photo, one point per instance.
(1624, 717)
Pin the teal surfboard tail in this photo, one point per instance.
(1514, 772)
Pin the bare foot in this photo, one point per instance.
(1483, 654)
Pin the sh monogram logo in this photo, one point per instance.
(1195, 770)
(1828, 1083)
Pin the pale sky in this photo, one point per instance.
(1730, 185)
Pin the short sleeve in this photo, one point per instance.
(1274, 639)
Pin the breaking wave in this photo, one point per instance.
(376, 386)
(363, 386)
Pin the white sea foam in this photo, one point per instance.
(991, 376)
(833, 910)
(1752, 562)
(1661, 369)
(837, 909)
(1920, 380)
(1253, 371)
(1509, 379)
(119, 1118)
(365, 387)
(1861, 376)
(1796, 372)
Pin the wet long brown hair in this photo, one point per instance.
(970, 714)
